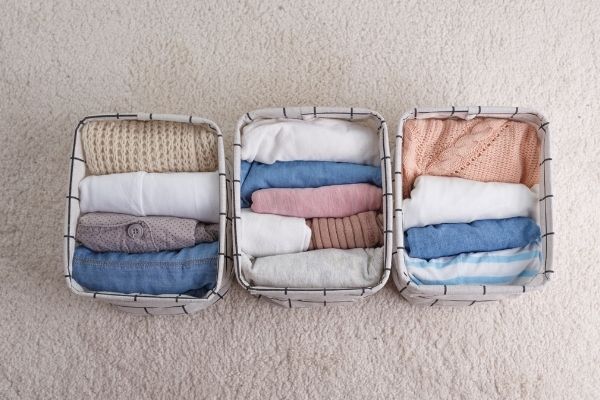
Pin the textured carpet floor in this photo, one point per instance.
(60, 61)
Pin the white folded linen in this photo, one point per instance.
(316, 139)
(437, 200)
(328, 268)
(503, 267)
(270, 234)
(183, 194)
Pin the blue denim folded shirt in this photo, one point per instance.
(303, 174)
(442, 240)
(191, 271)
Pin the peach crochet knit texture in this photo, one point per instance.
(481, 149)
(356, 231)
(152, 146)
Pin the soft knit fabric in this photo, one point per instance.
(269, 234)
(481, 149)
(303, 174)
(192, 270)
(439, 200)
(313, 139)
(504, 267)
(328, 268)
(152, 146)
(130, 234)
(444, 240)
(192, 195)
(356, 231)
(327, 201)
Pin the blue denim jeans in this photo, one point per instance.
(191, 271)
(303, 174)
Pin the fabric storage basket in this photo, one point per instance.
(434, 295)
(147, 304)
(313, 296)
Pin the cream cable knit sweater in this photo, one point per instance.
(153, 146)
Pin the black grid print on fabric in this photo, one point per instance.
(351, 113)
(70, 239)
(544, 196)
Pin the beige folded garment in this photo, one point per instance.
(153, 146)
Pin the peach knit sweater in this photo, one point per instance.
(481, 149)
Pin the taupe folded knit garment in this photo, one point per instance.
(356, 231)
(153, 146)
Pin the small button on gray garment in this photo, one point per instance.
(135, 231)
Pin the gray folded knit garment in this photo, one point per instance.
(327, 268)
(103, 232)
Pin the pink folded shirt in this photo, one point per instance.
(335, 201)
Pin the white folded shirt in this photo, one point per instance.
(317, 139)
(270, 234)
(437, 200)
(326, 268)
(183, 194)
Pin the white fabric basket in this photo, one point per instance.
(468, 295)
(310, 297)
(142, 303)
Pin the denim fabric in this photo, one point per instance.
(303, 174)
(443, 240)
(192, 270)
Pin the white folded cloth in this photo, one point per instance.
(315, 139)
(503, 267)
(270, 234)
(183, 194)
(328, 268)
(437, 200)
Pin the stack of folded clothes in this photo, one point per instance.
(311, 199)
(470, 201)
(149, 209)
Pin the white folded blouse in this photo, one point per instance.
(270, 234)
(315, 139)
(183, 194)
(437, 200)
(328, 268)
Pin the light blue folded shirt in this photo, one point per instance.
(192, 270)
(442, 240)
(303, 174)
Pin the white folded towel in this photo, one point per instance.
(316, 139)
(183, 194)
(437, 200)
(328, 268)
(270, 234)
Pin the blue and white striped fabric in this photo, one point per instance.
(503, 267)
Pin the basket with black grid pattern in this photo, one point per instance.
(146, 304)
(292, 297)
(468, 295)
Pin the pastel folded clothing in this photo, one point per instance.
(328, 268)
(503, 267)
(356, 231)
(439, 200)
(444, 240)
(327, 201)
(153, 146)
(192, 271)
(303, 174)
(270, 234)
(313, 139)
(481, 149)
(130, 234)
(192, 195)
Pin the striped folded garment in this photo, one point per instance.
(515, 266)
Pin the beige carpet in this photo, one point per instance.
(60, 61)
